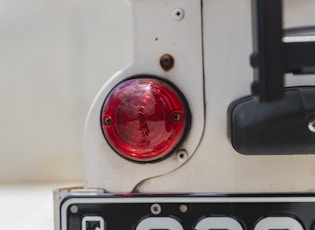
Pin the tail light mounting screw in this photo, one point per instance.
(108, 121)
(176, 117)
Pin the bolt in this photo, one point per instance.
(167, 62)
(156, 209)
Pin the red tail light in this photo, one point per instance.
(145, 119)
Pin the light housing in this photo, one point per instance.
(145, 119)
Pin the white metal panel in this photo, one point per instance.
(216, 167)
(157, 31)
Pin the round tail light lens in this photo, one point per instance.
(145, 119)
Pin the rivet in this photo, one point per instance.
(178, 14)
(182, 155)
(183, 208)
(74, 209)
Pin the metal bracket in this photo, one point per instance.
(277, 51)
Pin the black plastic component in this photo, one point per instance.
(277, 128)
(267, 49)
(277, 51)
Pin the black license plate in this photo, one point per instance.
(181, 212)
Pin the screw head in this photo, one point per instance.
(156, 209)
(167, 62)
(108, 120)
(176, 117)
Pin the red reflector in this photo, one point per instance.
(144, 119)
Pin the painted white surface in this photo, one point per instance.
(54, 57)
(156, 32)
(216, 167)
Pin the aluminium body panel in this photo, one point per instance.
(211, 45)
(157, 31)
(216, 166)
